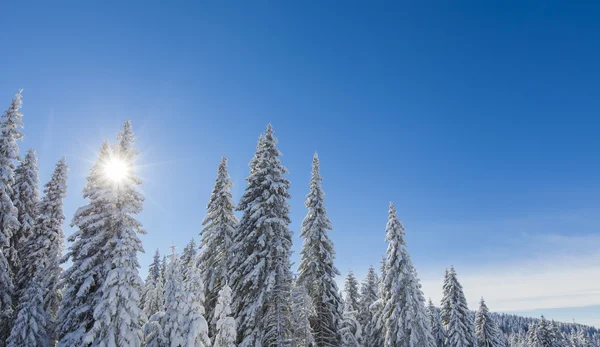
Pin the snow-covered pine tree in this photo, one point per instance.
(154, 301)
(488, 334)
(163, 270)
(532, 336)
(302, 312)
(188, 256)
(153, 331)
(44, 246)
(317, 270)
(368, 295)
(226, 331)
(582, 339)
(174, 322)
(82, 280)
(375, 332)
(352, 297)
(460, 328)
(118, 319)
(351, 330)
(217, 239)
(29, 328)
(260, 272)
(197, 327)
(26, 196)
(435, 324)
(10, 133)
(404, 314)
(151, 300)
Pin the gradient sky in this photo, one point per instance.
(478, 119)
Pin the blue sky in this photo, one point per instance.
(478, 119)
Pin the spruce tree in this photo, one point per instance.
(163, 270)
(217, 239)
(488, 334)
(351, 330)
(303, 311)
(317, 271)
(260, 273)
(225, 333)
(368, 295)
(352, 294)
(151, 299)
(118, 319)
(43, 248)
(197, 327)
(457, 319)
(10, 133)
(26, 196)
(29, 328)
(174, 319)
(82, 280)
(404, 305)
(188, 256)
(435, 324)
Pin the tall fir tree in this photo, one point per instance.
(43, 249)
(488, 333)
(260, 273)
(118, 319)
(457, 319)
(217, 239)
(368, 295)
(317, 270)
(163, 270)
(375, 330)
(352, 292)
(303, 311)
(30, 327)
(82, 280)
(10, 133)
(404, 305)
(26, 196)
(226, 332)
(435, 324)
(102, 286)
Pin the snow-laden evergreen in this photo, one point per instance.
(153, 295)
(375, 333)
(404, 316)
(44, 246)
(174, 322)
(226, 330)
(30, 326)
(368, 295)
(351, 330)
(188, 256)
(26, 196)
(260, 272)
(317, 270)
(457, 319)
(82, 280)
(118, 319)
(435, 324)
(303, 311)
(488, 334)
(352, 298)
(197, 327)
(102, 286)
(10, 133)
(217, 239)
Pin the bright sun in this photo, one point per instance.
(115, 170)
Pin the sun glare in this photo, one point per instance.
(115, 170)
